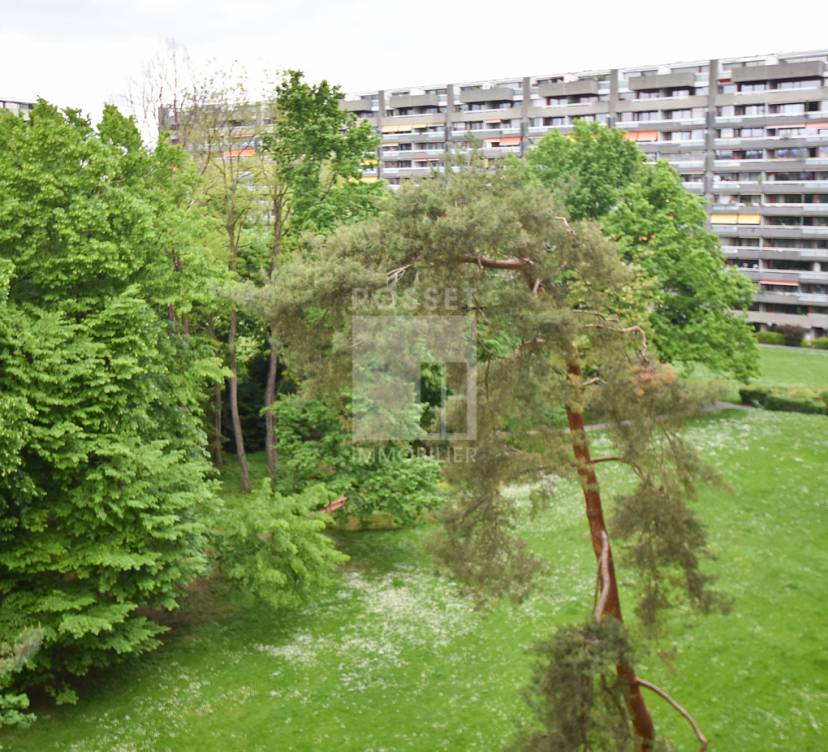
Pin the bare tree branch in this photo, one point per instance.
(491, 263)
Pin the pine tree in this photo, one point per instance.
(561, 330)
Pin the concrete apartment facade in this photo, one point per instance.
(16, 106)
(749, 134)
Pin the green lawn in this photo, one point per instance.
(779, 366)
(393, 659)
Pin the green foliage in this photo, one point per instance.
(316, 152)
(314, 447)
(792, 335)
(588, 167)
(13, 657)
(770, 338)
(103, 480)
(821, 343)
(698, 312)
(792, 399)
(274, 544)
(575, 694)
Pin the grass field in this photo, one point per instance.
(779, 366)
(393, 659)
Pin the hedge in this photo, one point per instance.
(770, 338)
(771, 398)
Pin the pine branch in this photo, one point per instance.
(491, 263)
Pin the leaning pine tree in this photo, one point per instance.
(561, 331)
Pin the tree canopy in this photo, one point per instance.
(698, 311)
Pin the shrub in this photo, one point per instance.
(821, 343)
(785, 400)
(314, 447)
(754, 396)
(794, 404)
(274, 545)
(770, 338)
(792, 335)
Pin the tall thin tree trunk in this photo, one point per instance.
(234, 403)
(273, 363)
(641, 719)
(269, 400)
(215, 443)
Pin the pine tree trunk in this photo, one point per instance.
(270, 418)
(234, 404)
(641, 719)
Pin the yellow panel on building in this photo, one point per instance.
(750, 219)
(724, 219)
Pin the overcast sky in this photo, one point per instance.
(83, 52)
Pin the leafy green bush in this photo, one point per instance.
(792, 335)
(103, 480)
(780, 399)
(794, 404)
(314, 447)
(755, 395)
(770, 338)
(820, 343)
(13, 657)
(274, 545)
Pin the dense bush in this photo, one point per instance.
(785, 400)
(821, 343)
(314, 447)
(770, 338)
(274, 546)
(103, 479)
(792, 335)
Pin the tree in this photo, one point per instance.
(222, 142)
(698, 313)
(560, 328)
(104, 484)
(311, 162)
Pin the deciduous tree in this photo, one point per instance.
(698, 312)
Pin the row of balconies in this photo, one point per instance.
(794, 296)
(787, 275)
(775, 210)
(809, 320)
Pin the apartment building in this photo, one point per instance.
(16, 106)
(750, 135)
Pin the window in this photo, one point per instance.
(800, 83)
(648, 115)
(751, 110)
(788, 109)
(679, 114)
(789, 132)
(790, 153)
